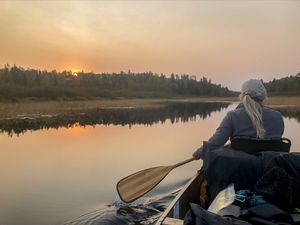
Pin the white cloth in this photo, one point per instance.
(255, 89)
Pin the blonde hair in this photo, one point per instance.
(254, 110)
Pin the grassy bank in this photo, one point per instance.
(54, 107)
(15, 109)
(284, 101)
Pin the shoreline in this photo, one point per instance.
(54, 107)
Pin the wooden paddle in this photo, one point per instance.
(136, 185)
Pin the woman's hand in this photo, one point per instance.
(198, 153)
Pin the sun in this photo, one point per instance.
(75, 71)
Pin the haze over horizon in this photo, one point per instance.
(227, 42)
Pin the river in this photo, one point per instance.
(55, 169)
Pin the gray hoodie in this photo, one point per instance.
(237, 123)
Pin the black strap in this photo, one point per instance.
(254, 145)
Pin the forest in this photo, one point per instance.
(17, 82)
(289, 85)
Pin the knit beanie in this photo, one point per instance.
(255, 89)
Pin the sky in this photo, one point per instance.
(225, 41)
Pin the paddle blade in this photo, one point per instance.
(136, 185)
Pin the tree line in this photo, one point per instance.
(17, 82)
(289, 85)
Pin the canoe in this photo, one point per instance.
(175, 212)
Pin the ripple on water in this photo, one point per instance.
(146, 212)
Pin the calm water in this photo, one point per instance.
(53, 170)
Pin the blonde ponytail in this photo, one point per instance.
(254, 111)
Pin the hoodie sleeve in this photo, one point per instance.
(219, 138)
(222, 133)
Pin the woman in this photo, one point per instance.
(250, 119)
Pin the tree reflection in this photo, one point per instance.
(290, 112)
(176, 112)
(179, 112)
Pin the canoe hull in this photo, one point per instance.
(180, 204)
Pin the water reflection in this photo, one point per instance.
(52, 176)
(179, 112)
(290, 112)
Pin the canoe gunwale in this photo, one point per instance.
(174, 201)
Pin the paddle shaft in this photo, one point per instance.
(183, 162)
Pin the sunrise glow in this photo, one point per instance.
(226, 41)
(75, 71)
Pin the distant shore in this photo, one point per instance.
(284, 101)
(54, 107)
